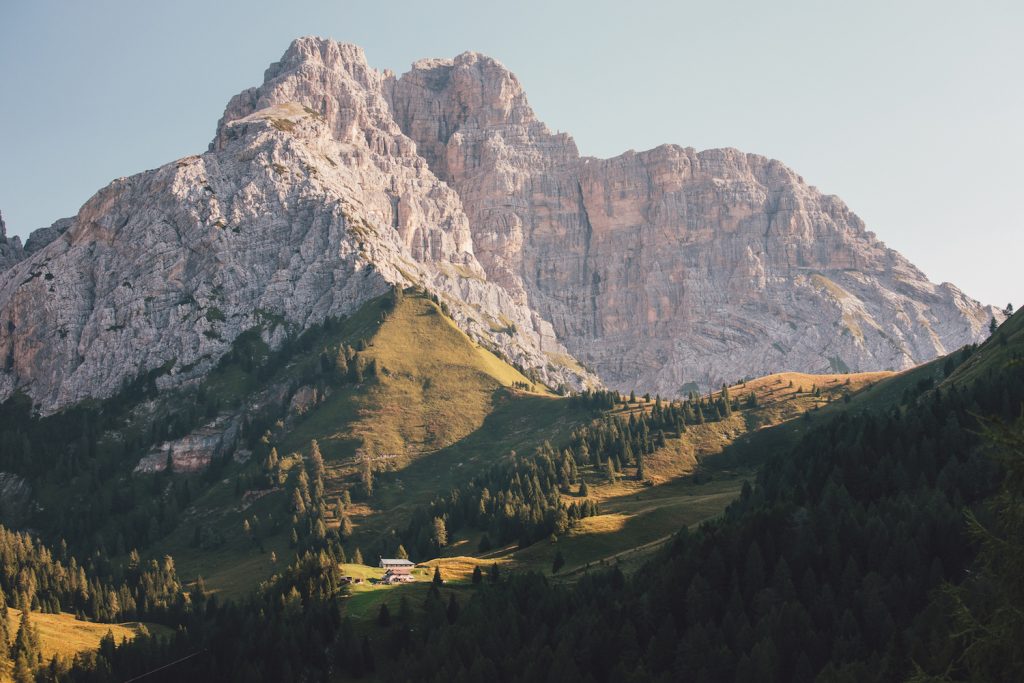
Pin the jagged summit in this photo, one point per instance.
(309, 202)
(664, 270)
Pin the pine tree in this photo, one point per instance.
(401, 552)
(440, 535)
(584, 491)
(298, 504)
(316, 459)
(5, 634)
(437, 580)
(478, 576)
(357, 557)
(26, 642)
(366, 479)
(23, 670)
(993, 326)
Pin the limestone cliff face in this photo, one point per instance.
(662, 270)
(671, 268)
(309, 202)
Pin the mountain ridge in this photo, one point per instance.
(664, 270)
(742, 232)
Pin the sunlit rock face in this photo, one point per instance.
(671, 268)
(663, 270)
(309, 202)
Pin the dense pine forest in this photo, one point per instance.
(885, 545)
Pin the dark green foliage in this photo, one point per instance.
(516, 499)
(981, 638)
(826, 567)
(98, 590)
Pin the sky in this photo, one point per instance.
(911, 112)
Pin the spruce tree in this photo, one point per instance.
(440, 534)
(357, 557)
(478, 576)
(5, 634)
(316, 459)
(23, 670)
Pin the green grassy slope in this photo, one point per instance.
(439, 408)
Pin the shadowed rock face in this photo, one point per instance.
(331, 180)
(669, 267)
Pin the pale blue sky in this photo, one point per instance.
(912, 112)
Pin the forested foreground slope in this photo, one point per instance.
(850, 559)
(829, 567)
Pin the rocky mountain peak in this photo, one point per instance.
(664, 270)
(671, 269)
(309, 202)
(332, 81)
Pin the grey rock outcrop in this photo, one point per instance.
(671, 269)
(195, 451)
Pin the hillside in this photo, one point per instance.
(64, 636)
(829, 563)
(418, 425)
(432, 408)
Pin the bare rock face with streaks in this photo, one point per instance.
(671, 269)
(309, 202)
(666, 270)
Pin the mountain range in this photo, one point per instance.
(668, 271)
